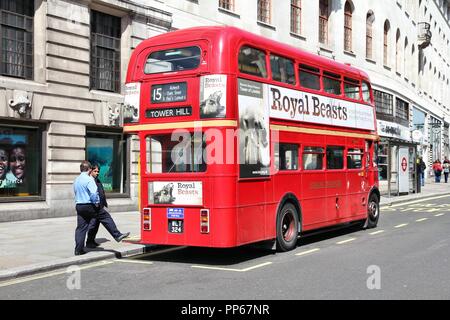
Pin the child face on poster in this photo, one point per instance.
(17, 162)
(3, 163)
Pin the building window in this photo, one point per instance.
(385, 43)
(348, 27)
(383, 103)
(398, 58)
(227, 4)
(323, 21)
(105, 52)
(108, 150)
(296, 15)
(20, 161)
(402, 112)
(16, 29)
(264, 11)
(369, 35)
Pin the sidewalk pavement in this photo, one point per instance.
(33, 246)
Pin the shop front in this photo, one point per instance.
(396, 157)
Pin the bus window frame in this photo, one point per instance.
(139, 68)
(152, 134)
(323, 153)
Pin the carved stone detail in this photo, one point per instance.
(21, 103)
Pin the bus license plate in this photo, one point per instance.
(176, 226)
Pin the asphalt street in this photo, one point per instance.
(405, 257)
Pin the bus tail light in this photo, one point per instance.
(204, 221)
(147, 219)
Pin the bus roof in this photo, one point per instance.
(235, 37)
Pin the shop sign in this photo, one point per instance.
(393, 130)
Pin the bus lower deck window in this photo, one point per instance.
(312, 158)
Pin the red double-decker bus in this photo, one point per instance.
(245, 139)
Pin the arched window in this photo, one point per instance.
(406, 69)
(413, 66)
(369, 34)
(348, 11)
(397, 51)
(323, 21)
(296, 15)
(387, 28)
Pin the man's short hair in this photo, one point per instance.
(85, 166)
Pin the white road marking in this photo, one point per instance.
(133, 261)
(306, 252)
(144, 255)
(401, 225)
(438, 215)
(420, 220)
(417, 201)
(231, 269)
(376, 232)
(51, 274)
(345, 241)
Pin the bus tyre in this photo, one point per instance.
(373, 212)
(287, 228)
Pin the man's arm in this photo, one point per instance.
(93, 192)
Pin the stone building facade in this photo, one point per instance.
(62, 73)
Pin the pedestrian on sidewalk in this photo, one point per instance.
(421, 170)
(86, 203)
(437, 169)
(446, 168)
(103, 216)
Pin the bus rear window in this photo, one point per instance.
(175, 153)
(179, 59)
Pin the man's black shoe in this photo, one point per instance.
(92, 245)
(122, 236)
(79, 253)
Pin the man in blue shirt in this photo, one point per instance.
(87, 201)
(88, 208)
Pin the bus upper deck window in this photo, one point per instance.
(180, 59)
(366, 91)
(282, 69)
(351, 88)
(252, 61)
(309, 77)
(332, 83)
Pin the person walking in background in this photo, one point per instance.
(421, 165)
(103, 216)
(437, 169)
(446, 168)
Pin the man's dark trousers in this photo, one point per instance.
(85, 213)
(106, 220)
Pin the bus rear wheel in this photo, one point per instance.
(373, 212)
(287, 228)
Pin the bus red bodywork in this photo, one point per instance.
(233, 210)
